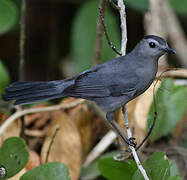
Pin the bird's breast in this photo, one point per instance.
(146, 76)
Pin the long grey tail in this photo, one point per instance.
(26, 92)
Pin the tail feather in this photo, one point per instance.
(28, 91)
(36, 99)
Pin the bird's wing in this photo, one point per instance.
(101, 82)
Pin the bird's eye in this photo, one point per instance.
(152, 44)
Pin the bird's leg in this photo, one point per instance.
(115, 126)
(131, 139)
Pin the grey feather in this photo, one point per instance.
(110, 85)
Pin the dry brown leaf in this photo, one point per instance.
(34, 160)
(13, 129)
(82, 118)
(35, 143)
(42, 121)
(37, 120)
(30, 119)
(141, 111)
(67, 147)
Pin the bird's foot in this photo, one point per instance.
(131, 142)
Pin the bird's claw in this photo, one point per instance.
(131, 142)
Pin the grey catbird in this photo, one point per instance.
(111, 85)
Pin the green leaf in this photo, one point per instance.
(8, 15)
(143, 5)
(177, 177)
(139, 5)
(171, 106)
(13, 156)
(51, 170)
(4, 80)
(157, 167)
(90, 172)
(84, 35)
(179, 6)
(113, 170)
(173, 168)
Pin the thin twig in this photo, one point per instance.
(114, 5)
(176, 72)
(51, 143)
(133, 150)
(99, 34)
(123, 27)
(175, 32)
(123, 51)
(19, 114)
(98, 149)
(106, 34)
(22, 40)
(35, 133)
(22, 55)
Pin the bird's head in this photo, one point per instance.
(152, 46)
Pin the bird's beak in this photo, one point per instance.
(170, 50)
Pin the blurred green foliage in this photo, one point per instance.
(115, 170)
(4, 80)
(92, 171)
(171, 105)
(13, 156)
(9, 14)
(48, 171)
(84, 35)
(143, 5)
(158, 167)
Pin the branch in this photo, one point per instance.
(106, 34)
(154, 25)
(99, 33)
(123, 27)
(123, 51)
(175, 32)
(21, 113)
(22, 40)
(133, 150)
(179, 72)
(114, 5)
(51, 143)
(105, 142)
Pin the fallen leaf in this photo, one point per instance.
(82, 118)
(13, 129)
(34, 160)
(67, 147)
(142, 107)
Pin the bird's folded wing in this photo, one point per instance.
(101, 91)
(93, 85)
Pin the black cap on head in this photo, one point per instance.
(156, 38)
